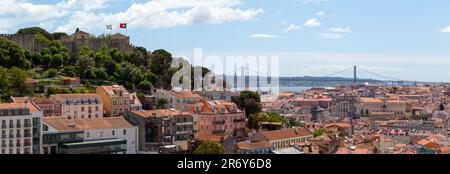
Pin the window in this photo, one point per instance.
(87, 134)
(82, 108)
(97, 108)
(114, 102)
(124, 132)
(113, 133)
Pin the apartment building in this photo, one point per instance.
(218, 117)
(89, 136)
(179, 100)
(78, 106)
(367, 106)
(21, 127)
(117, 100)
(162, 128)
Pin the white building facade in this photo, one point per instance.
(20, 128)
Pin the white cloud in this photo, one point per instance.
(320, 13)
(22, 11)
(445, 30)
(339, 30)
(312, 22)
(86, 14)
(167, 13)
(263, 36)
(292, 27)
(334, 33)
(330, 36)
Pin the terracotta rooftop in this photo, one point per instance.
(286, 133)
(65, 124)
(159, 113)
(253, 145)
(77, 96)
(28, 105)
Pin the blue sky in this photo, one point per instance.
(407, 39)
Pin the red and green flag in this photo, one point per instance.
(123, 25)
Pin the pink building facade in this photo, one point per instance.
(218, 117)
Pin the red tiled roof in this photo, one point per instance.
(286, 133)
(28, 105)
(65, 124)
(253, 145)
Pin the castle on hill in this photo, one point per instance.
(74, 42)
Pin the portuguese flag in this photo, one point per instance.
(123, 25)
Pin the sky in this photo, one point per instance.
(405, 39)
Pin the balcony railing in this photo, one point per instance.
(26, 144)
(11, 145)
(219, 122)
(4, 126)
(19, 125)
(26, 125)
(11, 135)
(11, 126)
(18, 144)
(27, 135)
(19, 135)
(4, 136)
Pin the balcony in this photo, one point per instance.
(4, 136)
(27, 135)
(27, 125)
(19, 135)
(11, 145)
(4, 126)
(219, 122)
(26, 144)
(11, 135)
(11, 126)
(3, 145)
(18, 125)
(18, 144)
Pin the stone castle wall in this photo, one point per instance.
(73, 44)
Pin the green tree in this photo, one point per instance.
(162, 103)
(317, 133)
(12, 55)
(59, 35)
(145, 85)
(209, 147)
(249, 101)
(101, 74)
(17, 79)
(4, 81)
(116, 55)
(255, 119)
(52, 73)
(85, 64)
(36, 30)
(160, 63)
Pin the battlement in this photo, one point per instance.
(74, 42)
(6, 35)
